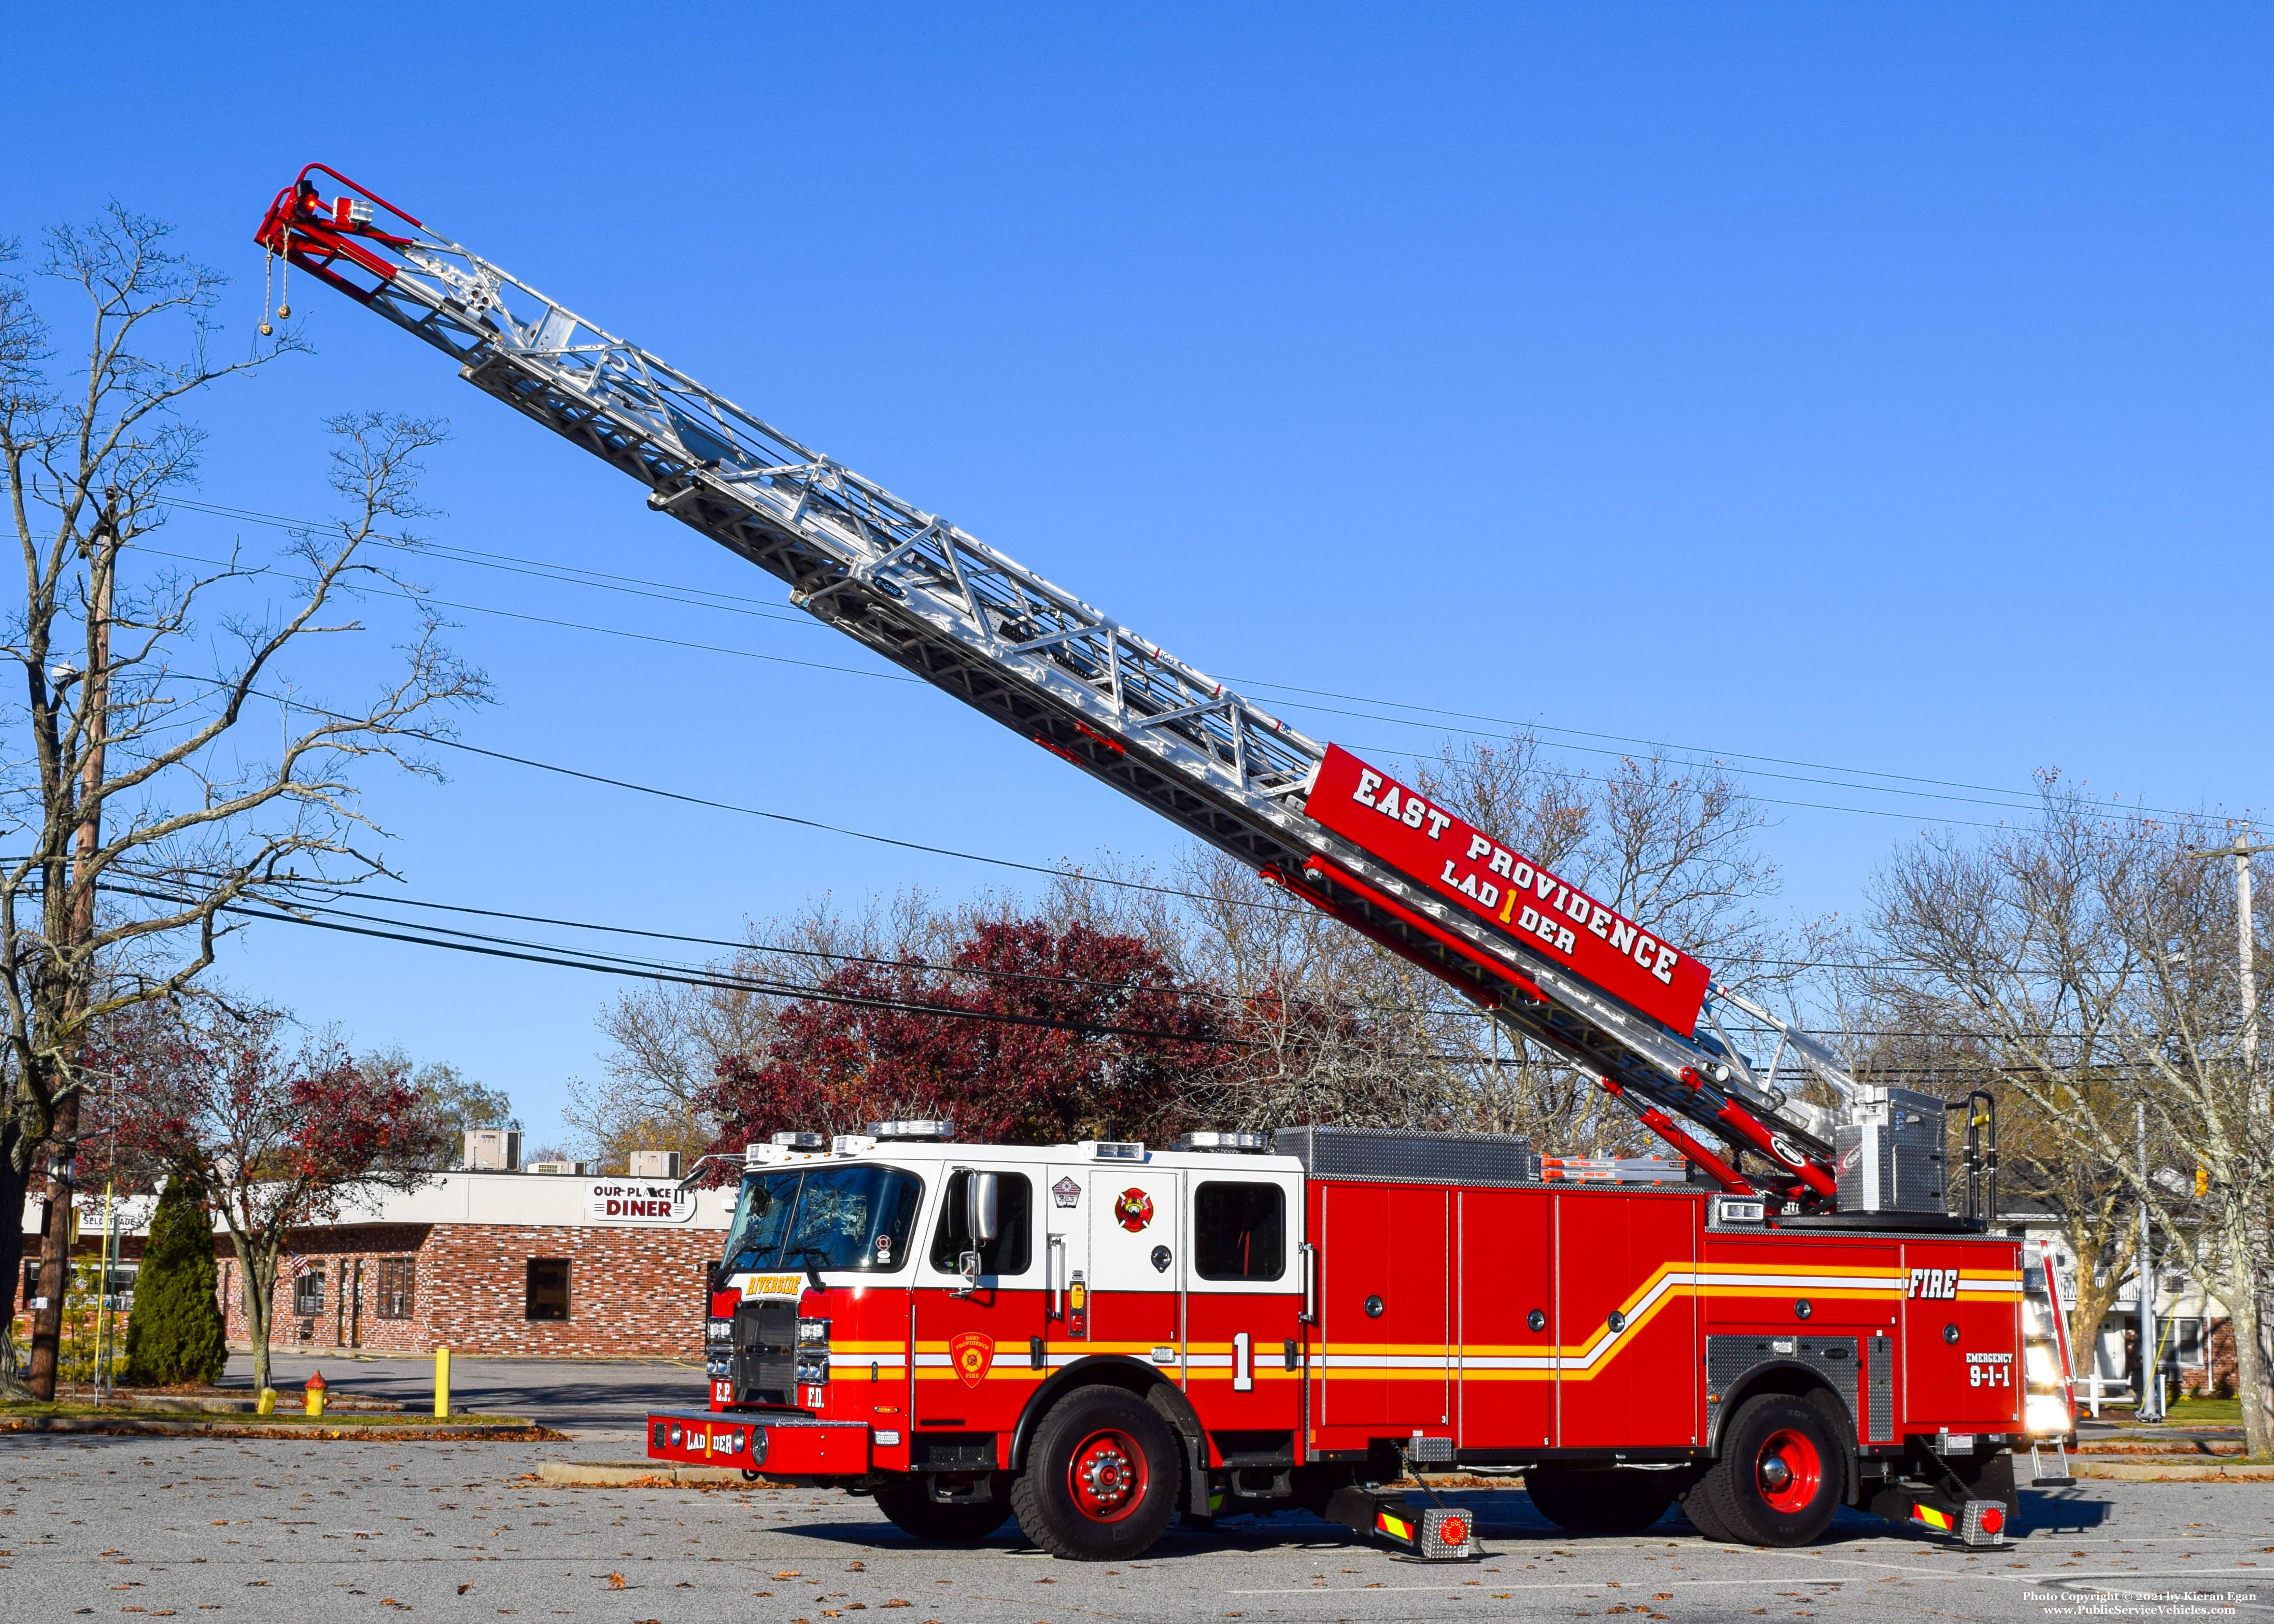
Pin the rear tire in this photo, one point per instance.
(1701, 1516)
(1603, 1500)
(1778, 1478)
(1102, 1478)
(913, 1511)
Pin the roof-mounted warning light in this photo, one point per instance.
(933, 1128)
(1237, 1144)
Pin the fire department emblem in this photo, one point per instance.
(971, 1352)
(1065, 1192)
(1132, 1210)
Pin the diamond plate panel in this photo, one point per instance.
(1393, 1156)
(1729, 1360)
(1880, 1379)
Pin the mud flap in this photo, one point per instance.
(1166, 1402)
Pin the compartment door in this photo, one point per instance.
(1961, 1336)
(1383, 1347)
(1506, 1368)
(1625, 1284)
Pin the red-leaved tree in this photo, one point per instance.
(1030, 1033)
(280, 1136)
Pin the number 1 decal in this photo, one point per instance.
(1243, 1364)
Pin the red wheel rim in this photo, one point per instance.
(1788, 1470)
(1107, 1474)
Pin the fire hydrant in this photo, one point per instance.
(316, 1387)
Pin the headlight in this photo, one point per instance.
(812, 1352)
(678, 1436)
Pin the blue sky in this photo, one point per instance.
(1883, 388)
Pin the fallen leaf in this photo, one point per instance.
(1663, 1596)
(616, 1581)
(789, 1573)
(465, 1587)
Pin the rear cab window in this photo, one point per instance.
(1239, 1231)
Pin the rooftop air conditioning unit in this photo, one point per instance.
(493, 1150)
(570, 1167)
(654, 1164)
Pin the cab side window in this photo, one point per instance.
(1010, 1251)
(1240, 1231)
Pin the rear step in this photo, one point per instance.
(2061, 1477)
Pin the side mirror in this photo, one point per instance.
(979, 1207)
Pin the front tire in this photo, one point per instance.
(1778, 1480)
(1604, 1500)
(913, 1511)
(1102, 1478)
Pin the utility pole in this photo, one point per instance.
(2149, 1406)
(2242, 850)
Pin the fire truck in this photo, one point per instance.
(1807, 1304)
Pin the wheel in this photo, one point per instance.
(1601, 1501)
(1700, 1513)
(1102, 1478)
(1778, 1479)
(913, 1511)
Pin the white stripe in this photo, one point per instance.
(1819, 1283)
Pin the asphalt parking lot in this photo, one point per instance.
(286, 1530)
(597, 1400)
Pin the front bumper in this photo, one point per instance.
(779, 1446)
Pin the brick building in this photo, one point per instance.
(483, 1262)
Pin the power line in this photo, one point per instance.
(2016, 799)
(502, 947)
(1397, 751)
(776, 986)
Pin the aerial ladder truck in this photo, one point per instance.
(1124, 1334)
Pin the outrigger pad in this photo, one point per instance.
(1973, 1523)
(1433, 1533)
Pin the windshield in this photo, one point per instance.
(761, 1213)
(826, 1217)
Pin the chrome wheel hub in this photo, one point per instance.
(1106, 1475)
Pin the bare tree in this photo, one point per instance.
(2089, 963)
(145, 808)
(667, 1041)
(1673, 846)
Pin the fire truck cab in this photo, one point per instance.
(1098, 1337)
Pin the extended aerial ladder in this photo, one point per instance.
(955, 612)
